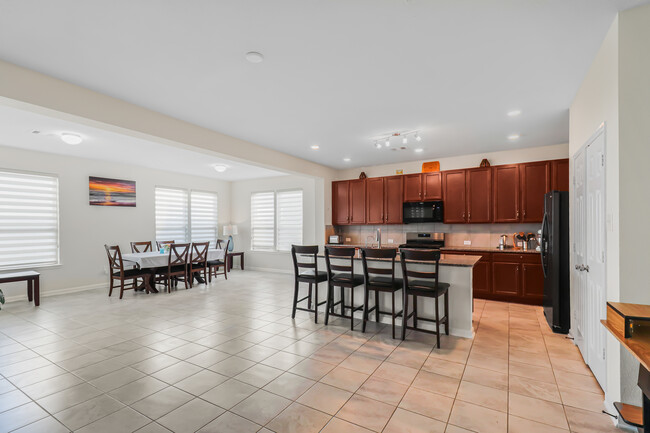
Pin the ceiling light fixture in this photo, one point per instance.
(346, 159)
(385, 139)
(72, 139)
(220, 168)
(514, 113)
(254, 57)
(418, 150)
(513, 137)
(315, 146)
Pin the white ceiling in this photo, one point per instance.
(336, 73)
(16, 128)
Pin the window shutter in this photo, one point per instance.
(171, 215)
(29, 220)
(263, 221)
(289, 212)
(203, 211)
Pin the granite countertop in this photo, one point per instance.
(445, 260)
(461, 248)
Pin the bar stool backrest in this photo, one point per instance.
(429, 256)
(371, 257)
(340, 255)
(299, 252)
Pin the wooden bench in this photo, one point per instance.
(33, 284)
(229, 258)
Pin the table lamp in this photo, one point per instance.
(230, 230)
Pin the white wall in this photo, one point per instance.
(529, 154)
(597, 102)
(84, 229)
(313, 217)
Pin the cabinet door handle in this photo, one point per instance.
(469, 216)
(517, 214)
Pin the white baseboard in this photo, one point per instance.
(16, 298)
(273, 270)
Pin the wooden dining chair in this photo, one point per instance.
(423, 283)
(141, 247)
(214, 265)
(198, 261)
(159, 244)
(176, 265)
(117, 271)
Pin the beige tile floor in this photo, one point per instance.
(229, 358)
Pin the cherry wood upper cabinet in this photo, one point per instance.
(432, 186)
(358, 201)
(454, 196)
(505, 181)
(535, 182)
(479, 195)
(375, 200)
(393, 199)
(341, 202)
(413, 187)
(560, 175)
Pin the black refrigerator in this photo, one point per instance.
(555, 261)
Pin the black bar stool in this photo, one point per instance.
(426, 284)
(311, 277)
(345, 277)
(379, 279)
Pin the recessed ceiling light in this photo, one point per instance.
(405, 140)
(514, 113)
(69, 138)
(387, 143)
(418, 150)
(254, 57)
(346, 159)
(315, 146)
(220, 168)
(513, 137)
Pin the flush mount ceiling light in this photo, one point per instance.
(418, 150)
(377, 141)
(254, 57)
(513, 137)
(514, 113)
(70, 138)
(346, 159)
(315, 146)
(220, 168)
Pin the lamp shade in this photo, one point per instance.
(227, 230)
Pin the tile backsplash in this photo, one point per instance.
(480, 235)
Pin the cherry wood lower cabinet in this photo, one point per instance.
(507, 277)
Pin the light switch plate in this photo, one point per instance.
(467, 243)
(390, 241)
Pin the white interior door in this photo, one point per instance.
(588, 274)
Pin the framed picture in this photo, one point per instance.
(111, 192)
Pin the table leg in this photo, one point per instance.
(37, 291)
(30, 290)
(644, 384)
(241, 261)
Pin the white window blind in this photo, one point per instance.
(289, 219)
(29, 220)
(203, 211)
(263, 221)
(171, 214)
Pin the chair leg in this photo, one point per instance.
(437, 323)
(191, 280)
(415, 311)
(364, 320)
(225, 272)
(330, 301)
(185, 278)
(376, 306)
(110, 292)
(447, 313)
(121, 288)
(169, 284)
(209, 280)
(405, 305)
(309, 297)
(342, 304)
(351, 308)
(393, 312)
(295, 300)
(315, 302)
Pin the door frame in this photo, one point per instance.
(602, 130)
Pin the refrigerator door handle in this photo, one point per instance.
(544, 242)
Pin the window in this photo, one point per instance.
(171, 214)
(289, 214)
(203, 211)
(29, 220)
(276, 220)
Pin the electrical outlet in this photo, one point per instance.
(348, 239)
(390, 241)
(467, 243)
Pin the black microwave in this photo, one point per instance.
(422, 212)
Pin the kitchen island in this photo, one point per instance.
(456, 270)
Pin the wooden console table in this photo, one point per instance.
(33, 283)
(232, 254)
(633, 320)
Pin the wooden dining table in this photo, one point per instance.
(155, 259)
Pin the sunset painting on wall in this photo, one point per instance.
(111, 192)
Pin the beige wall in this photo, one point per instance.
(541, 153)
(596, 103)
